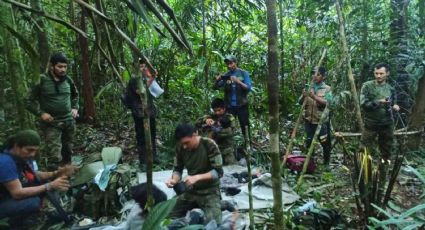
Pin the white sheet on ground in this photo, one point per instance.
(262, 194)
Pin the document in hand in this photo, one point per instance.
(155, 89)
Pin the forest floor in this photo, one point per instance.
(329, 187)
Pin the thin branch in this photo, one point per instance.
(132, 45)
(170, 12)
(22, 41)
(173, 33)
(42, 13)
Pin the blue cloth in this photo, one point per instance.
(10, 207)
(244, 78)
(8, 169)
(24, 207)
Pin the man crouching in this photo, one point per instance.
(202, 159)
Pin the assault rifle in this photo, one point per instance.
(53, 197)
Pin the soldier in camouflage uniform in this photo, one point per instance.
(377, 101)
(55, 101)
(202, 159)
(220, 126)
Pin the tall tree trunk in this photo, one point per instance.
(354, 94)
(282, 60)
(42, 41)
(398, 51)
(14, 67)
(416, 120)
(204, 44)
(89, 107)
(364, 45)
(273, 98)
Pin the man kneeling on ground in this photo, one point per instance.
(22, 187)
(202, 159)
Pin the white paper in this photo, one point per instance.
(155, 89)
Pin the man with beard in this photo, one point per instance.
(377, 100)
(55, 101)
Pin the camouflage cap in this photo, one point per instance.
(230, 58)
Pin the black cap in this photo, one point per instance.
(230, 58)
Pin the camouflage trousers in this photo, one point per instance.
(207, 199)
(228, 155)
(386, 140)
(58, 137)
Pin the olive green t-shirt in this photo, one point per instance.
(375, 113)
(57, 99)
(203, 159)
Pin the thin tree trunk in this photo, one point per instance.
(364, 45)
(398, 49)
(14, 67)
(99, 6)
(416, 121)
(354, 94)
(42, 41)
(282, 60)
(273, 98)
(148, 140)
(312, 145)
(204, 44)
(89, 107)
(248, 166)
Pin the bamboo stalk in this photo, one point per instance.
(348, 59)
(313, 143)
(248, 165)
(297, 124)
(353, 180)
(396, 133)
(396, 169)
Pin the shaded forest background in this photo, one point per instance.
(104, 40)
(378, 31)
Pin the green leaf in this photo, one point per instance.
(87, 172)
(376, 223)
(201, 65)
(111, 155)
(417, 173)
(102, 90)
(158, 214)
(126, 76)
(412, 210)
(141, 11)
(383, 211)
(394, 207)
(398, 222)
(414, 226)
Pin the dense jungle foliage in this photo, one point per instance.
(186, 41)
